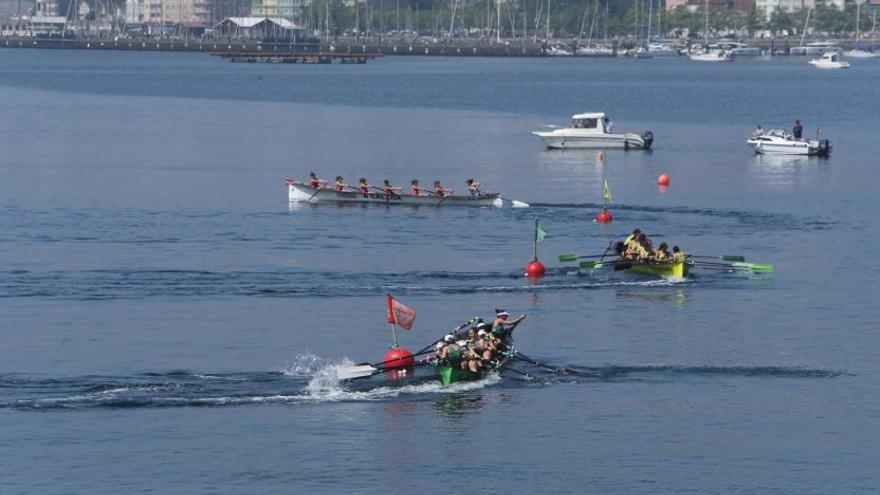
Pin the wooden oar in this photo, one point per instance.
(574, 257)
(737, 265)
(723, 257)
(366, 370)
(588, 265)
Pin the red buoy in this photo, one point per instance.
(398, 358)
(663, 180)
(535, 269)
(604, 216)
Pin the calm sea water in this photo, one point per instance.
(170, 324)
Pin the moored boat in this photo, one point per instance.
(300, 192)
(589, 130)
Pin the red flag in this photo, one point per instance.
(400, 313)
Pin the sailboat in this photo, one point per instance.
(857, 51)
(710, 54)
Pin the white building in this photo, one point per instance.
(189, 12)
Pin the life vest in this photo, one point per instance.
(660, 255)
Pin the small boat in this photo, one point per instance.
(595, 51)
(450, 374)
(428, 369)
(587, 130)
(299, 192)
(781, 142)
(830, 60)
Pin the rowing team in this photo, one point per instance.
(363, 187)
(483, 345)
(638, 247)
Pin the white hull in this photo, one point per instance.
(820, 64)
(775, 145)
(560, 139)
(861, 54)
(710, 57)
(297, 192)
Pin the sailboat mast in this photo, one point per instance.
(707, 23)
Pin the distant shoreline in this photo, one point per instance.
(514, 48)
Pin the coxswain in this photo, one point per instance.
(441, 191)
(363, 187)
(798, 130)
(315, 182)
(500, 325)
(473, 187)
(661, 255)
(339, 185)
(390, 190)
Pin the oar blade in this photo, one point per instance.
(755, 267)
(356, 371)
(590, 265)
(567, 257)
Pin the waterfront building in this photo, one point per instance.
(192, 13)
(286, 9)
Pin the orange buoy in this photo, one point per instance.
(398, 358)
(535, 269)
(604, 216)
(663, 180)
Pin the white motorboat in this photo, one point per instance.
(300, 192)
(588, 130)
(830, 60)
(781, 142)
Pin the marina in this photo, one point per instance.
(174, 323)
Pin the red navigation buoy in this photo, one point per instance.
(535, 269)
(604, 216)
(663, 180)
(398, 358)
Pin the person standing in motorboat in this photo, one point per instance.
(798, 130)
(473, 187)
(609, 126)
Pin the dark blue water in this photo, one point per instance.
(170, 324)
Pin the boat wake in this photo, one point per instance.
(550, 373)
(134, 284)
(307, 380)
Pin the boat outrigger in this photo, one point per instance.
(300, 192)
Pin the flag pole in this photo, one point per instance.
(536, 239)
(394, 336)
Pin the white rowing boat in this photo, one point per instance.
(299, 192)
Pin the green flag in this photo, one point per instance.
(539, 232)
